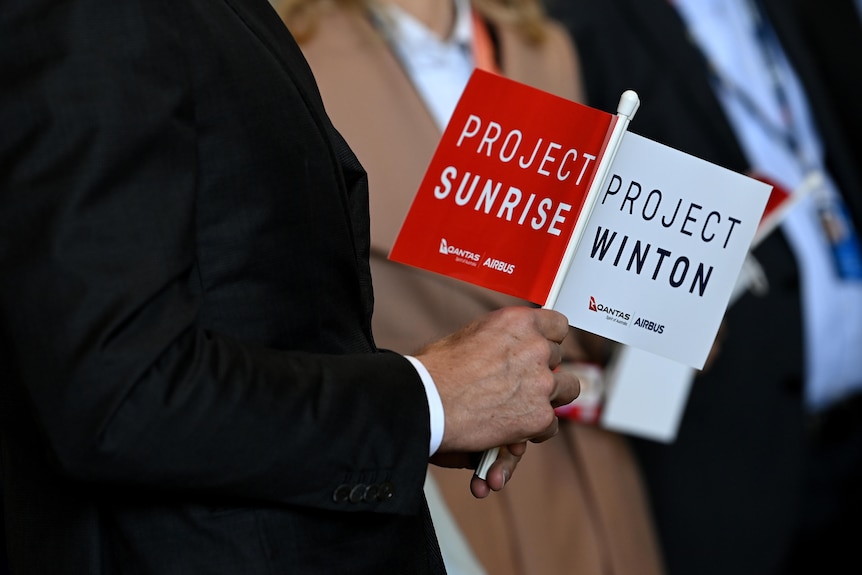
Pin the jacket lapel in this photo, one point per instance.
(261, 18)
(264, 22)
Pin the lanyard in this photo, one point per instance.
(484, 51)
(482, 48)
(785, 130)
(437, 69)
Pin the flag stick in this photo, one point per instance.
(628, 105)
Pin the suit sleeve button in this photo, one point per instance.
(357, 493)
(386, 492)
(341, 493)
(371, 493)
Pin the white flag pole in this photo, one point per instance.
(628, 105)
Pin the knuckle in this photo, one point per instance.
(547, 420)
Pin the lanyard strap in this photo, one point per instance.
(839, 233)
(484, 51)
(785, 130)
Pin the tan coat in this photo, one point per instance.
(575, 504)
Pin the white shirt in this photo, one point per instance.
(832, 308)
(439, 70)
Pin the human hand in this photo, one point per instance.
(584, 347)
(500, 471)
(498, 386)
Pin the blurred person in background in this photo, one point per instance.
(390, 73)
(765, 475)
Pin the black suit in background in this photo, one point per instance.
(728, 493)
(176, 211)
(833, 32)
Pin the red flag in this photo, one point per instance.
(505, 187)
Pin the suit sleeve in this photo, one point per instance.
(98, 331)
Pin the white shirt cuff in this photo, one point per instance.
(435, 405)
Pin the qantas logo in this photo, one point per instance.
(623, 317)
(615, 313)
(472, 258)
(448, 250)
(444, 246)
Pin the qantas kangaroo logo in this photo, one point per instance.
(611, 312)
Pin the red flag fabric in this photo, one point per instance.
(504, 188)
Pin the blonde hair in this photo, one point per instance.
(526, 16)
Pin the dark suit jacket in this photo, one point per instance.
(725, 494)
(188, 380)
(833, 32)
